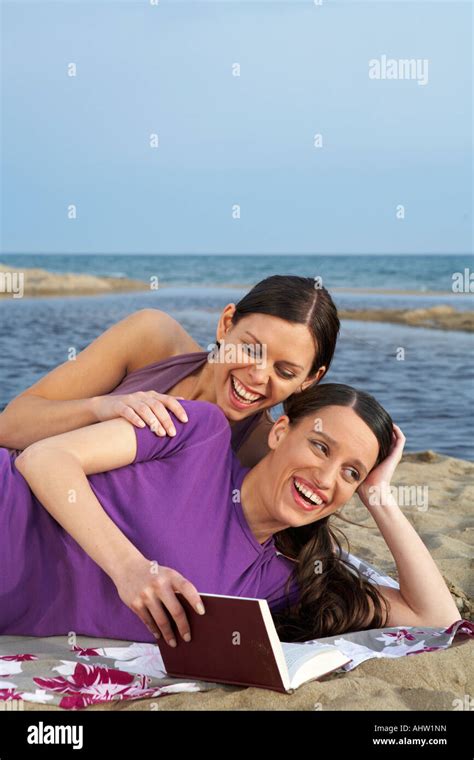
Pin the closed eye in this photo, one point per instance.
(286, 374)
(323, 446)
(249, 348)
(256, 350)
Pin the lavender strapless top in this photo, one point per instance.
(165, 374)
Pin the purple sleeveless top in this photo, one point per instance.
(165, 374)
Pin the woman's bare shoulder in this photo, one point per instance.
(159, 336)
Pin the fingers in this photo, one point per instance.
(152, 408)
(162, 416)
(137, 410)
(151, 612)
(155, 416)
(398, 432)
(145, 616)
(190, 592)
(175, 609)
(174, 406)
(169, 402)
(160, 403)
(398, 437)
(162, 595)
(168, 597)
(161, 619)
(128, 414)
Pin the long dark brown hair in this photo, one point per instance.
(335, 600)
(300, 300)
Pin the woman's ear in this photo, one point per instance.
(278, 431)
(225, 321)
(312, 379)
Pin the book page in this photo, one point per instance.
(297, 654)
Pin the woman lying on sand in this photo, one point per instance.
(279, 339)
(131, 518)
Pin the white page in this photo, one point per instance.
(297, 654)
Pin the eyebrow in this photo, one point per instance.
(284, 361)
(334, 443)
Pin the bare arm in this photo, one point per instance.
(423, 598)
(57, 467)
(66, 398)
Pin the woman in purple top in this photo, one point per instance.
(102, 526)
(277, 340)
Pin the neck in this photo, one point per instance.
(254, 501)
(204, 388)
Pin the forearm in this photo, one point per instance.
(60, 484)
(30, 418)
(421, 584)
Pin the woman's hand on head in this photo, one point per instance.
(375, 488)
(149, 590)
(141, 408)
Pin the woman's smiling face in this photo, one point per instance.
(316, 464)
(262, 360)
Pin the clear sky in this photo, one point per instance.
(225, 140)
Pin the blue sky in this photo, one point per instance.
(228, 140)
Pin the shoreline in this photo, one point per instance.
(442, 317)
(40, 283)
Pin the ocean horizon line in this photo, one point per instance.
(243, 253)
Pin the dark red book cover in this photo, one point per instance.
(221, 649)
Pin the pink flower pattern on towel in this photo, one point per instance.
(93, 684)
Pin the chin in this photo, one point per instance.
(290, 517)
(230, 413)
(297, 517)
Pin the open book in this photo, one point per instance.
(236, 642)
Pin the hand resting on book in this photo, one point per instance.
(149, 589)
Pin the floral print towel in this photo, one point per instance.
(91, 671)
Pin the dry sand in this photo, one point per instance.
(428, 681)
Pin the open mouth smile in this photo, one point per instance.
(241, 395)
(305, 496)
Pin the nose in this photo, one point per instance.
(325, 476)
(258, 375)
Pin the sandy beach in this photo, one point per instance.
(428, 681)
